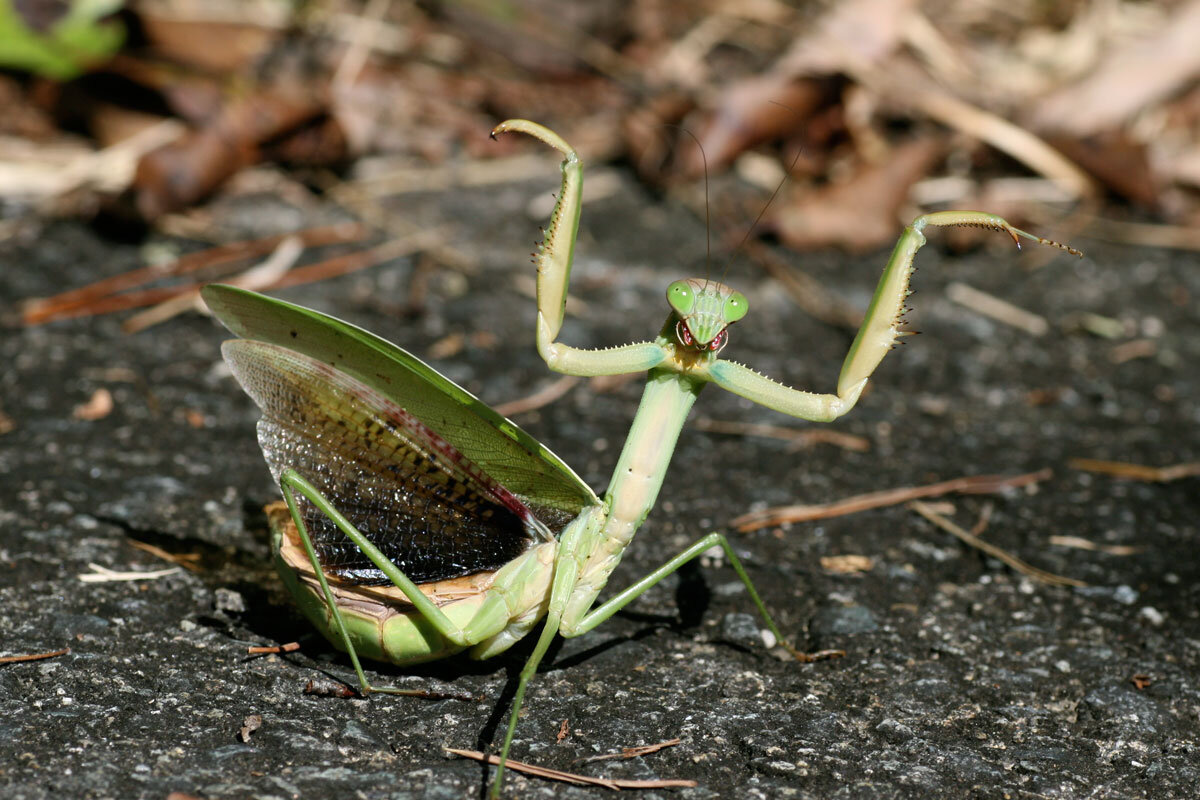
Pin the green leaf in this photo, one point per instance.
(62, 48)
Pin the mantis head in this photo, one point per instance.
(704, 310)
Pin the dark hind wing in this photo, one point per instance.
(432, 512)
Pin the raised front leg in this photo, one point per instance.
(554, 257)
(876, 336)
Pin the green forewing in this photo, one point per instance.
(508, 454)
(430, 511)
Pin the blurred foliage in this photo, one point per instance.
(58, 40)
(874, 110)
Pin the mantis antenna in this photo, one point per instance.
(770, 199)
(707, 218)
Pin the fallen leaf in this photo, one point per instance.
(1129, 79)
(755, 110)
(1118, 161)
(861, 213)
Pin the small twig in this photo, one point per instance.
(1127, 351)
(542, 397)
(366, 30)
(189, 561)
(98, 406)
(101, 574)
(34, 656)
(110, 170)
(564, 731)
(570, 777)
(987, 126)
(310, 273)
(1179, 237)
(806, 291)
(361, 259)
(992, 550)
(257, 650)
(997, 309)
(847, 564)
(102, 296)
(798, 438)
(634, 752)
(985, 516)
(268, 272)
(972, 484)
(1080, 543)
(481, 172)
(1137, 472)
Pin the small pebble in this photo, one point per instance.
(1152, 615)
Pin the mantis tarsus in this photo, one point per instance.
(419, 522)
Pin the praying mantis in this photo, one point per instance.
(417, 522)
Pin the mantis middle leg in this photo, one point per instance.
(488, 620)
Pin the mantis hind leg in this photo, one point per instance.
(291, 483)
(549, 631)
(605, 610)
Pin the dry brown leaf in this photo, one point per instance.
(183, 172)
(755, 110)
(1130, 78)
(905, 84)
(861, 213)
(852, 36)
(1118, 161)
(216, 46)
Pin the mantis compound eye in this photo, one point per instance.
(681, 297)
(735, 307)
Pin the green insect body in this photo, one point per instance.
(418, 522)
